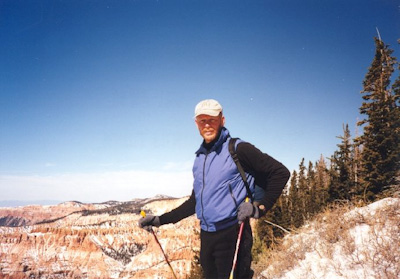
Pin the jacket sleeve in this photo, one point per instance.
(269, 174)
(186, 209)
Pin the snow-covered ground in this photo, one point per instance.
(363, 243)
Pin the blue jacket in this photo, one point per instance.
(218, 186)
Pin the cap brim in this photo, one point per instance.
(207, 112)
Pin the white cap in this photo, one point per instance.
(209, 107)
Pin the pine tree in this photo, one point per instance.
(357, 167)
(284, 206)
(342, 169)
(312, 202)
(294, 202)
(396, 126)
(322, 182)
(304, 191)
(334, 184)
(380, 156)
(266, 234)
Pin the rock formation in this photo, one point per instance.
(74, 240)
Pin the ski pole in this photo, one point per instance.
(159, 244)
(237, 247)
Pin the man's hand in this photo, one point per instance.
(247, 210)
(149, 221)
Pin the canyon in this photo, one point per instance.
(103, 241)
(77, 240)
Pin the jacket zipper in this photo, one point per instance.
(233, 197)
(202, 190)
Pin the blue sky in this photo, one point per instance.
(97, 97)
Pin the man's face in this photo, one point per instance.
(209, 126)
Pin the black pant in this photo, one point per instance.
(218, 249)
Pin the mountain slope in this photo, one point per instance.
(361, 243)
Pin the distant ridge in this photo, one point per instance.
(16, 203)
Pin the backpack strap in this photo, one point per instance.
(232, 150)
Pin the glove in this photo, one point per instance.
(247, 210)
(149, 221)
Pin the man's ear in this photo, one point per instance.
(223, 120)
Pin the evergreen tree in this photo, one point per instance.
(322, 182)
(312, 202)
(334, 184)
(380, 156)
(357, 167)
(265, 234)
(396, 126)
(284, 206)
(342, 171)
(303, 193)
(294, 202)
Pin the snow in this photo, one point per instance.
(365, 246)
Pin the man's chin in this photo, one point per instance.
(209, 139)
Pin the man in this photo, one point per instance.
(219, 195)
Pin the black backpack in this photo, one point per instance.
(235, 158)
